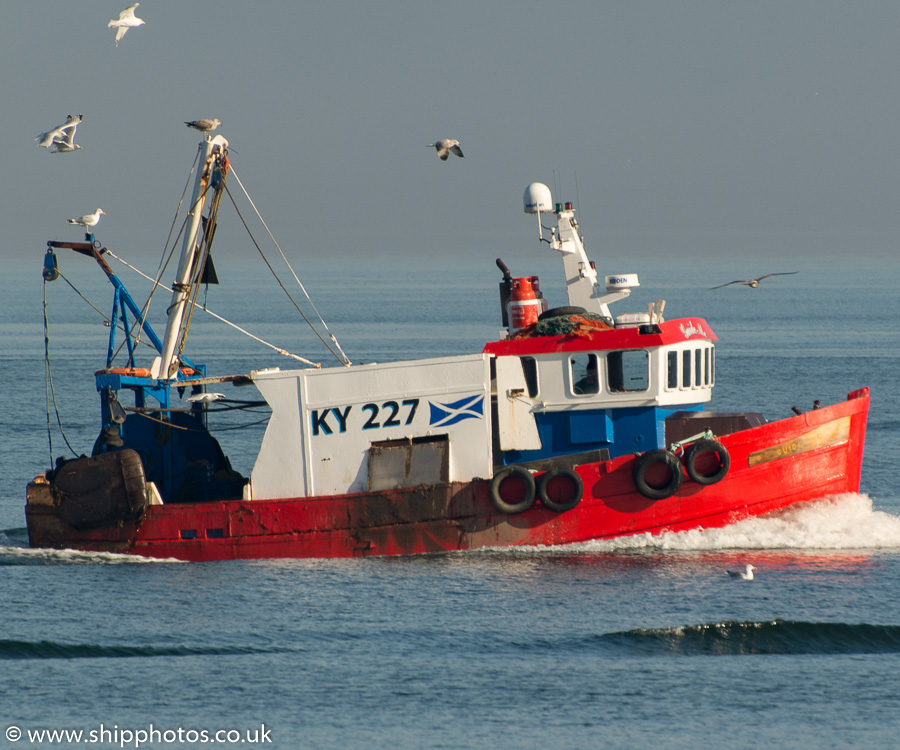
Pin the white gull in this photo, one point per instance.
(203, 125)
(445, 146)
(746, 574)
(88, 220)
(206, 398)
(125, 21)
(59, 132)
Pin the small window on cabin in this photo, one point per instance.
(672, 374)
(686, 360)
(529, 368)
(628, 371)
(711, 366)
(583, 369)
(698, 367)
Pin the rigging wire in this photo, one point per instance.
(346, 360)
(278, 349)
(343, 360)
(50, 391)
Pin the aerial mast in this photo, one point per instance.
(212, 163)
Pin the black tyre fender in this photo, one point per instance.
(705, 446)
(577, 489)
(555, 312)
(648, 460)
(522, 475)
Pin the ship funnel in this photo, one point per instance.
(537, 199)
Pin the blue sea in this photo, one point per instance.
(641, 642)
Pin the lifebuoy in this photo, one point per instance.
(706, 446)
(135, 372)
(556, 312)
(651, 460)
(512, 473)
(560, 505)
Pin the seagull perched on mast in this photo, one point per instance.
(203, 125)
(753, 283)
(125, 21)
(60, 133)
(445, 146)
(88, 220)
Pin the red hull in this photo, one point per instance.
(772, 466)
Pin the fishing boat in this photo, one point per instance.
(575, 424)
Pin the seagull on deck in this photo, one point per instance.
(60, 132)
(206, 398)
(125, 21)
(88, 220)
(746, 574)
(204, 125)
(753, 283)
(445, 146)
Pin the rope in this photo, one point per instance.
(191, 429)
(50, 391)
(280, 351)
(345, 360)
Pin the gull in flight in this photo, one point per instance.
(59, 134)
(203, 125)
(753, 283)
(88, 220)
(67, 145)
(445, 146)
(206, 398)
(125, 21)
(746, 574)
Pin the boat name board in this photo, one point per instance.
(830, 433)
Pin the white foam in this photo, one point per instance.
(842, 522)
(10, 551)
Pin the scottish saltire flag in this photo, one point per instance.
(444, 415)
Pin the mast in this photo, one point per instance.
(212, 159)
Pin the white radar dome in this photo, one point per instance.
(537, 198)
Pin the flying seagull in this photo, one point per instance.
(445, 146)
(746, 574)
(203, 125)
(753, 283)
(88, 220)
(59, 132)
(66, 145)
(125, 21)
(206, 398)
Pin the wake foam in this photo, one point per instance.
(14, 550)
(841, 522)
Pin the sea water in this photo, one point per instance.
(638, 642)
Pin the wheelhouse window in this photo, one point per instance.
(584, 372)
(529, 368)
(628, 371)
(687, 369)
(686, 359)
(672, 374)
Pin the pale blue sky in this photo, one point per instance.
(764, 128)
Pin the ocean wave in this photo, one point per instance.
(775, 637)
(13, 649)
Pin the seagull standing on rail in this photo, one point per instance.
(753, 283)
(445, 146)
(88, 220)
(125, 21)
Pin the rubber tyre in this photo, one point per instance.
(556, 312)
(647, 461)
(705, 446)
(511, 472)
(544, 483)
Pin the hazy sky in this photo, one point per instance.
(756, 127)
